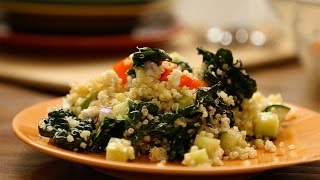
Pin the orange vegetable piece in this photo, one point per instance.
(121, 69)
(191, 83)
(168, 68)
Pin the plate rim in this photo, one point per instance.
(146, 168)
(90, 42)
(80, 10)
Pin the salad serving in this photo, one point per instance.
(154, 104)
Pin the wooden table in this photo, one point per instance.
(19, 161)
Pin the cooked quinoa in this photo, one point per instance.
(154, 104)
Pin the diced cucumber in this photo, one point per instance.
(210, 144)
(195, 157)
(266, 125)
(85, 103)
(278, 109)
(230, 139)
(119, 150)
(120, 110)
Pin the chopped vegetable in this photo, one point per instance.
(168, 68)
(207, 96)
(119, 150)
(120, 110)
(211, 145)
(54, 121)
(66, 130)
(109, 128)
(190, 82)
(266, 125)
(178, 137)
(196, 157)
(106, 110)
(121, 68)
(230, 140)
(149, 54)
(278, 109)
(232, 77)
(73, 139)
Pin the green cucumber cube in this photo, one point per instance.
(230, 140)
(120, 110)
(196, 157)
(119, 150)
(209, 144)
(266, 125)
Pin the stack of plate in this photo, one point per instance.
(86, 24)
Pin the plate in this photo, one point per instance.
(80, 18)
(87, 2)
(92, 9)
(303, 132)
(145, 36)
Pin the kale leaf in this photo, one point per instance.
(232, 77)
(149, 54)
(57, 127)
(163, 127)
(61, 139)
(54, 121)
(207, 96)
(132, 73)
(135, 109)
(109, 128)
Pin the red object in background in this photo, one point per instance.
(89, 42)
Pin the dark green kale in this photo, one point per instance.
(149, 54)
(76, 141)
(207, 96)
(134, 117)
(132, 73)
(232, 77)
(54, 121)
(115, 128)
(57, 127)
(135, 110)
(109, 128)
(162, 127)
(179, 137)
(181, 142)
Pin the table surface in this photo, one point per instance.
(19, 161)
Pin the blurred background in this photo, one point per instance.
(50, 43)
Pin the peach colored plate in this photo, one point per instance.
(302, 131)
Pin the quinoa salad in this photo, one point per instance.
(153, 104)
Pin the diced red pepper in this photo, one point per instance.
(168, 68)
(121, 69)
(191, 83)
